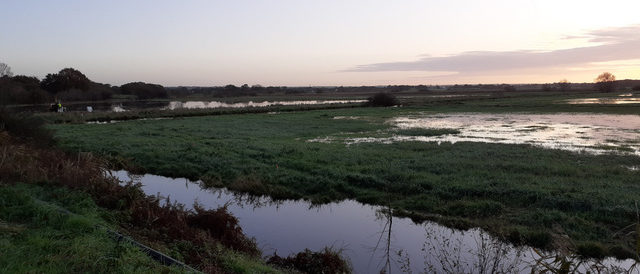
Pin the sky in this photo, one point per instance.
(323, 43)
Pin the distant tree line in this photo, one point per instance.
(67, 85)
(144, 91)
(70, 84)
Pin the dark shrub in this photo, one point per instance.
(144, 90)
(25, 126)
(509, 88)
(539, 239)
(591, 250)
(382, 99)
(22, 90)
(307, 261)
(636, 88)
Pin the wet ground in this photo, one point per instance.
(216, 104)
(590, 133)
(604, 101)
(176, 105)
(624, 98)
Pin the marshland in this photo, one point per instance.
(320, 137)
(530, 170)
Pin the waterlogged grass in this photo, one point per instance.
(546, 198)
(37, 237)
(426, 131)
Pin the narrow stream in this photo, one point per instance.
(360, 231)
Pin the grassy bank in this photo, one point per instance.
(545, 198)
(55, 208)
(37, 237)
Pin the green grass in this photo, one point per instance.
(37, 237)
(524, 193)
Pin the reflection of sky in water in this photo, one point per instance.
(291, 226)
(215, 104)
(118, 108)
(605, 101)
(593, 133)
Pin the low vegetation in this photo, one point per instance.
(382, 99)
(56, 208)
(521, 193)
(307, 261)
(37, 237)
(39, 184)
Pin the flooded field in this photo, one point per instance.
(591, 133)
(216, 104)
(625, 98)
(176, 105)
(367, 235)
(605, 101)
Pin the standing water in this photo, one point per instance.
(366, 235)
(173, 105)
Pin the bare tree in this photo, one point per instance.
(606, 82)
(5, 70)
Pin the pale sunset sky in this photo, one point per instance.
(323, 43)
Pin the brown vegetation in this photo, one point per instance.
(307, 261)
(197, 235)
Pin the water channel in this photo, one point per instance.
(369, 237)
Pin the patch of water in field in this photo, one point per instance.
(361, 231)
(216, 104)
(120, 121)
(592, 133)
(604, 101)
(118, 108)
(456, 95)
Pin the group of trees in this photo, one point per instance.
(72, 85)
(144, 91)
(605, 82)
(67, 85)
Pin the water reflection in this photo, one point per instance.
(217, 104)
(605, 101)
(591, 133)
(371, 238)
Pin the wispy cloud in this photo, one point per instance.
(613, 44)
